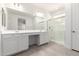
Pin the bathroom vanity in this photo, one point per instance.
(12, 43)
(18, 32)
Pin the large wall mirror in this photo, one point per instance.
(16, 20)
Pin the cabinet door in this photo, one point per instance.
(43, 38)
(9, 46)
(22, 42)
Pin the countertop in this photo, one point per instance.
(22, 31)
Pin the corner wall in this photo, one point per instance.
(68, 40)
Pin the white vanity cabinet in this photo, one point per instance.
(22, 42)
(9, 44)
(14, 43)
(43, 38)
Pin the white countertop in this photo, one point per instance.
(22, 31)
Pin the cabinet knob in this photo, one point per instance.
(73, 31)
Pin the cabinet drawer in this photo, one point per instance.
(20, 34)
(4, 36)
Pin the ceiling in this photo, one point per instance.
(49, 7)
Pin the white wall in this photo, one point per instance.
(0, 27)
(28, 8)
(68, 26)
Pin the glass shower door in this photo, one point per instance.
(56, 30)
(59, 30)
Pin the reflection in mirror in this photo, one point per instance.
(3, 18)
(21, 24)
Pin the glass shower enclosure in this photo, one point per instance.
(56, 29)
